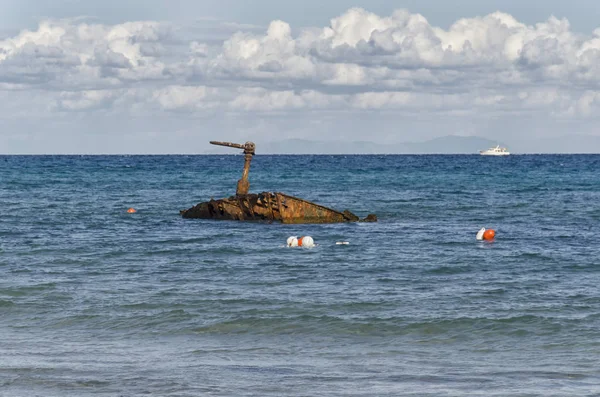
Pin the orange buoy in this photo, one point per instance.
(131, 211)
(489, 234)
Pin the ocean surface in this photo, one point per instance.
(98, 302)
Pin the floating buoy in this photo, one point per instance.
(486, 234)
(480, 233)
(304, 241)
(489, 234)
(131, 211)
(341, 243)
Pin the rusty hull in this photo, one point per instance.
(270, 207)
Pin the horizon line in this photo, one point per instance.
(293, 154)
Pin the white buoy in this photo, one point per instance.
(480, 234)
(342, 243)
(305, 241)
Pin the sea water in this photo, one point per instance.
(95, 301)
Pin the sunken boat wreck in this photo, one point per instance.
(266, 206)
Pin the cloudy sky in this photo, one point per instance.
(149, 76)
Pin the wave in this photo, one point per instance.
(517, 326)
(449, 270)
(6, 303)
(21, 291)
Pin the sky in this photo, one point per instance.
(149, 76)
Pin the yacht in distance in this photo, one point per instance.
(495, 151)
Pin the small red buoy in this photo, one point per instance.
(131, 211)
(489, 234)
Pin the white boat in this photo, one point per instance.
(495, 151)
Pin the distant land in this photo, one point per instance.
(450, 144)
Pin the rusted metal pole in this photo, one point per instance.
(243, 185)
(228, 144)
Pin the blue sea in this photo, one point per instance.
(95, 301)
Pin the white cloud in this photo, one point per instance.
(259, 99)
(273, 56)
(188, 98)
(492, 65)
(367, 53)
(68, 54)
(85, 100)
